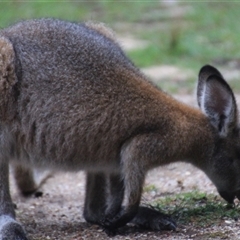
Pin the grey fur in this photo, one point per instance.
(71, 100)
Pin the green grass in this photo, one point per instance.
(207, 32)
(198, 208)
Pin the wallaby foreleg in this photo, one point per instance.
(115, 194)
(133, 175)
(96, 197)
(147, 217)
(104, 196)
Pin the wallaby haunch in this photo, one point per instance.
(71, 100)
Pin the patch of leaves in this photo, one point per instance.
(198, 208)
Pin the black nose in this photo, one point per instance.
(228, 196)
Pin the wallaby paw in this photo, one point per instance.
(93, 219)
(11, 229)
(120, 220)
(149, 218)
(111, 232)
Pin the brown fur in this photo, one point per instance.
(7, 80)
(71, 100)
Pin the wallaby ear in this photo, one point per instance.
(204, 73)
(8, 79)
(218, 103)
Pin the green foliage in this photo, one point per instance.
(197, 208)
(203, 33)
(150, 188)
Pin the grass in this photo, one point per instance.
(206, 32)
(198, 208)
(203, 34)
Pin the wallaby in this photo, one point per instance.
(71, 100)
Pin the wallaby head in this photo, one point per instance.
(217, 101)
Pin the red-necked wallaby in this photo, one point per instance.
(71, 100)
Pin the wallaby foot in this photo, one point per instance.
(146, 218)
(10, 229)
(122, 218)
(111, 225)
(149, 218)
(93, 217)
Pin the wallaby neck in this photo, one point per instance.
(190, 135)
(182, 132)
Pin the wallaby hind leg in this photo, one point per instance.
(95, 199)
(10, 229)
(24, 179)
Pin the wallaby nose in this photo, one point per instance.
(228, 196)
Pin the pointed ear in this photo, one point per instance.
(204, 73)
(218, 103)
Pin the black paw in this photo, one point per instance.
(120, 220)
(111, 232)
(109, 224)
(150, 218)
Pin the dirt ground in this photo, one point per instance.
(58, 213)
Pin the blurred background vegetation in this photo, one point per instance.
(184, 34)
